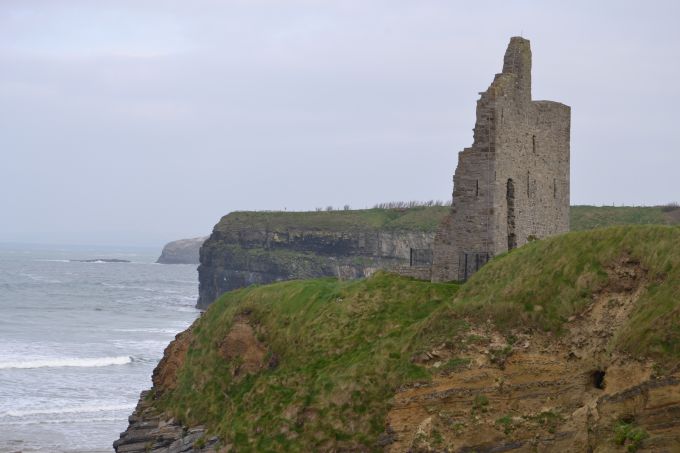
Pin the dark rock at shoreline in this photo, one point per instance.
(150, 432)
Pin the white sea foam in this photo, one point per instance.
(39, 278)
(81, 409)
(63, 421)
(62, 404)
(150, 330)
(67, 362)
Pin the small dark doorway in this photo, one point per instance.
(510, 199)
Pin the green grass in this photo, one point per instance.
(480, 402)
(425, 219)
(542, 284)
(590, 217)
(454, 364)
(505, 423)
(345, 347)
(629, 435)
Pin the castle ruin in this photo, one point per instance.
(512, 185)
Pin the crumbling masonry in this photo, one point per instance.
(512, 185)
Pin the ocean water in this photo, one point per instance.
(79, 341)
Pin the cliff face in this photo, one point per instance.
(248, 248)
(182, 251)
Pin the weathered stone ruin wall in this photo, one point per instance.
(540, 182)
(512, 185)
(421, 257)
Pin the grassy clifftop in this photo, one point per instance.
(427, 219)
(313, 365)
(588, 217)
(422, 218)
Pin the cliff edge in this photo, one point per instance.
(246, 262)
(565, 344)
(248, 248)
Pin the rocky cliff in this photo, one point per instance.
(182, 251)
(565, 344)
(248, 248)
(251, 251)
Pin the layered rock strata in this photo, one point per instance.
(260, 248)
(150, 432)
(534, 392)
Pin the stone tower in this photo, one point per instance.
(512, 185)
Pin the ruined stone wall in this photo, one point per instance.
(444, 252)
(471, 216)
(534, 154)
(421, 257)
(512, 185)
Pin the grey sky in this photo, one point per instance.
(138, 122)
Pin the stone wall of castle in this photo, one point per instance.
(512, 185)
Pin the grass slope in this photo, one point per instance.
(343, 348)
(545, 282)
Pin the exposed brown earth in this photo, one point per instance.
(533, 392)
(240, 347)
(165, 374)
(241, 343)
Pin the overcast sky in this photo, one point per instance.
(138, 122)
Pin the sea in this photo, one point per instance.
(79, 341)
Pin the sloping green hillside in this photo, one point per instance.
(341, 350)
(545, 282)
(338, 351)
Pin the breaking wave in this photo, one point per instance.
(67, 362)
(90, 408)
